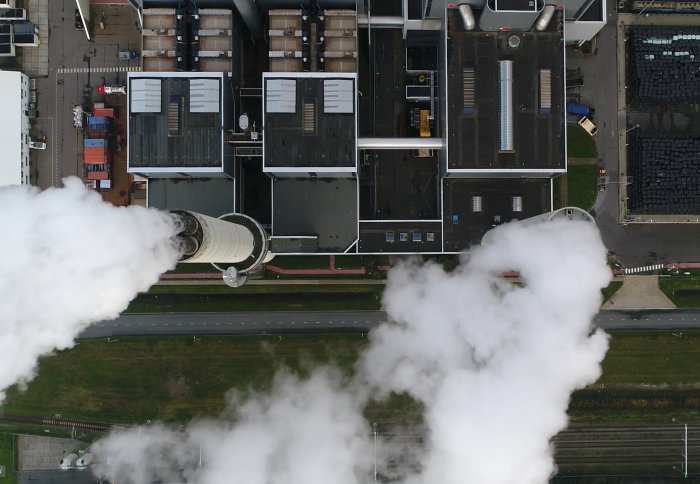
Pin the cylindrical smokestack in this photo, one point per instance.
(545, 17)
(218, 240)
(467, 17)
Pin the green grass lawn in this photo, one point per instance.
(579, 144)
(612, 288)
(218, 298)
(582, 182)
(647, 376)
(683, 290)
(7, 458)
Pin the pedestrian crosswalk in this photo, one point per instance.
(106, 70)
(634, 270)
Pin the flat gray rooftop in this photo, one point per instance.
(209, 196)
(474, 130)
(170, 133)
(324, 207)
(309, 122)
(466, 222)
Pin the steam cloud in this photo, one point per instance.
(70, 259)
(493, 363)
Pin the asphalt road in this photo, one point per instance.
(196, 324)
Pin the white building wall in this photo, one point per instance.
(14, 128)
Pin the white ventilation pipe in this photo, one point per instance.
(467, 17)
(545, 17)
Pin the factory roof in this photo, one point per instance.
(11, 127)
(325, 208)
(310, 121)
(175, 120)
(474, 206)
(209, 196)
(494, 115)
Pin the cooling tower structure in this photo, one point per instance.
(234, 243)
(564, 213)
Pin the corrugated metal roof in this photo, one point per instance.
(338, 96)
(281, 96)
(204, 96)
(145, 95)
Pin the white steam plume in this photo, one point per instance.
(493, 363)
(70, 259)
(303, 431)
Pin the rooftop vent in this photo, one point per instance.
(174, 116)
(513, 41)
(468, 90)
(309, 117)
(517, 204)
(476, 204)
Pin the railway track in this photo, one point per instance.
(577, 447)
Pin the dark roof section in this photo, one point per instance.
(474, 134)
(197, 141)
(325, 207)
(594, 12)
(496, 206)
(308, 136)
(400, 237)
(209, 196)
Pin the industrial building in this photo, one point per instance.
(14, 128)
(414, 127)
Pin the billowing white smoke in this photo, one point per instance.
(70, 259)
(493, 363)
(303, 431)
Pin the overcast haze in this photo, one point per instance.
(70, 259)
(493, 363)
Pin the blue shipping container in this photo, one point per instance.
(98, 120)
(95, 143)
(579, 109)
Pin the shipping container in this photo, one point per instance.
(97, 134)
(94, 150)
(95, 142)
(98, 175)
(105, 184)
(580, 109)
(98, 120)
(103, 112)
(95, 128)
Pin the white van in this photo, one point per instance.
(588, 125)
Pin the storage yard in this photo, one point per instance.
(663, 135)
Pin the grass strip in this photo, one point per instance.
(220, 298)
(683, 291)
(610, 291)
(582, 185)
(7, 458)
(579, 144)
(647, 377)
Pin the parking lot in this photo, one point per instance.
(76, 67)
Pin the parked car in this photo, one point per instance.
(37, 145)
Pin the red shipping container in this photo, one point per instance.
(94, 150)
(98, 134)
(106, 112)
(98, 175)
(96, 158)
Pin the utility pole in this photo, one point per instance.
(374, 426)
(685, 447)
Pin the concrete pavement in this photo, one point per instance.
(291, 322)
(639, 292)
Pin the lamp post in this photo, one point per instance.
(685, 447)
(636, 125)
(374, 429)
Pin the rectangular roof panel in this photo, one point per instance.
(338, 96)
(145, 95)
(281, 96)
(204, 95)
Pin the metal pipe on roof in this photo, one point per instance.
(545, 17)
(380, 21)
(506, 82)
(467, 17)
(400, 143)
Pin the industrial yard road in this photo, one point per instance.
(190, 324)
